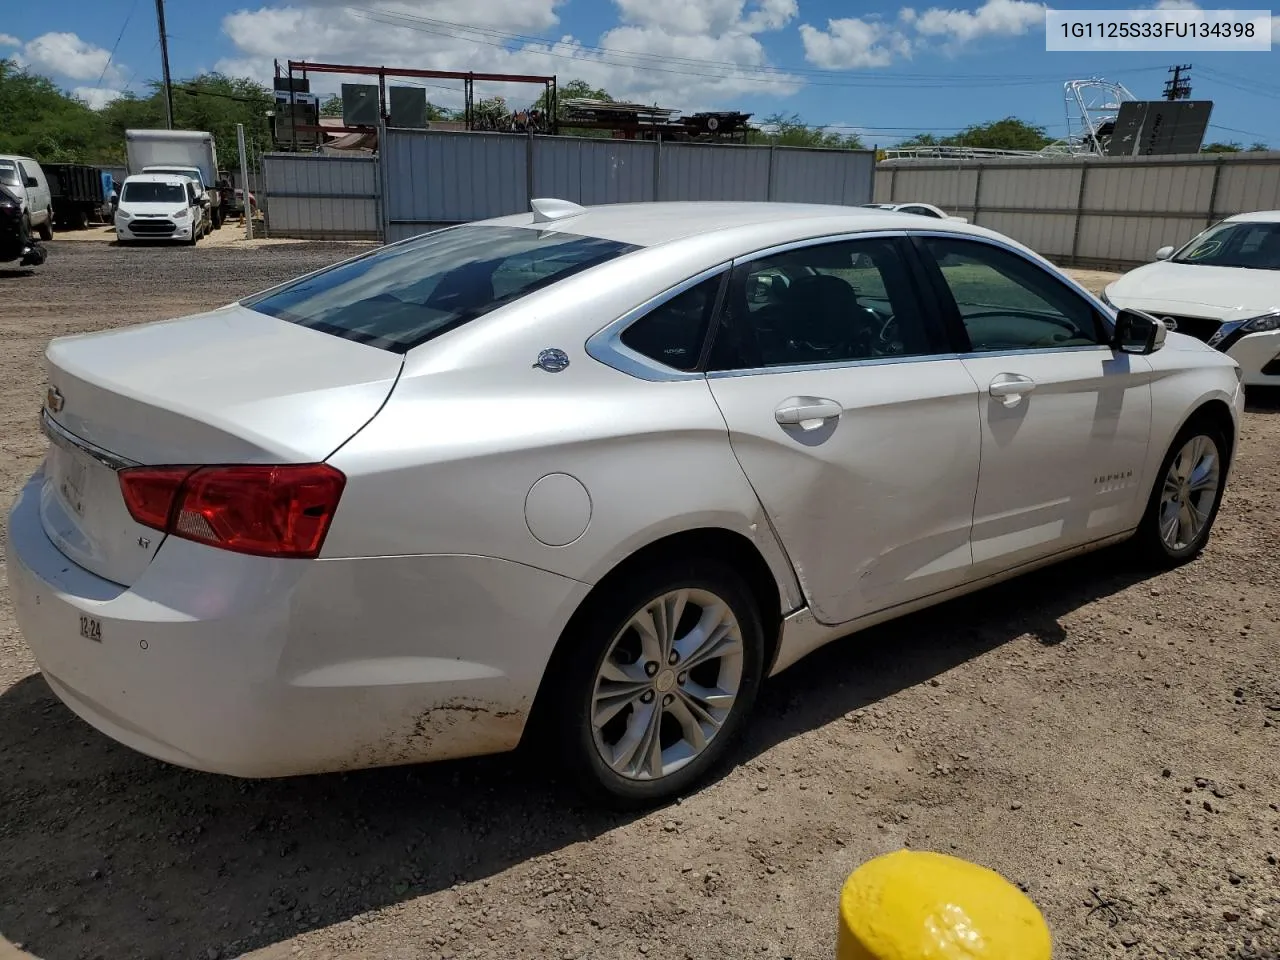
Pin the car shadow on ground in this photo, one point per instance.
(1262, 400)
(150, 860)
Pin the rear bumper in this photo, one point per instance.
(1259, 357)
(258, 667)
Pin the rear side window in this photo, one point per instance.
(405, 294)
(673, 332)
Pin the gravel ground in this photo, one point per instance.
(1108, 740)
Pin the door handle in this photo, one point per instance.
(1011, 387)
(807, 412)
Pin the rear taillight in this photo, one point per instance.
(268, 511)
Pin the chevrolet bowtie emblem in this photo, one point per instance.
(54, 400)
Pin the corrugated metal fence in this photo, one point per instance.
(431, 178)
(1104, 212)
(314, 197)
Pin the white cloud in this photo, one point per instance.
(679, 53)
(853, 43)
(9, 40)
(856, 42)
(96, 97)
(66, 55)
(994, 18)
(1176, 5)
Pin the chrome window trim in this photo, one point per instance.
(913, 358)
(62, 437)
(606, 346)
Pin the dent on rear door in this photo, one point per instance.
(876, 508)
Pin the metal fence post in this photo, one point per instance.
(657, 168)
(769, 193)
(262, 200)
(528, 167)
(381, 178)
(1212, 218)
(977, 193)
(1075, 236)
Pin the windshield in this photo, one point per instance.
(406, 294)
(145, 192)
(1252, 245)
(191, 172)
(9, 174)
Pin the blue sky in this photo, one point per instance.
(885, 69)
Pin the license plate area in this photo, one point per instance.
(70, 478)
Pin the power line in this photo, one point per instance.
(655, 62)
(111, 56)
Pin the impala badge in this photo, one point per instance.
(552, 360)
(54, 400)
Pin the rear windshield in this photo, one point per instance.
(144, 192)
(405, 294)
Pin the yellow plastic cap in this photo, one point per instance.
(927, 906)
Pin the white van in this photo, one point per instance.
(158, 206)
(23, 176)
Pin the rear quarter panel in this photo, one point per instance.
(448, 464)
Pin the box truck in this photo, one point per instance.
(189, 153)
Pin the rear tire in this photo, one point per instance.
(637, 720)
(215, 218)
(46, 229)
(1187, 494)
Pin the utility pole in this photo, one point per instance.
(1179, 88)
(164, 62)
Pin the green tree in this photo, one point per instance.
(210, 101)
(1007, 134)
(331, 106)
(785, 130)
(920, 140)
(40, 121)
(1231, 147)
(1258, 147)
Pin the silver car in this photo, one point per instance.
(585, 474)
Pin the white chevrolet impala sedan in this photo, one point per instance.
(588, 475)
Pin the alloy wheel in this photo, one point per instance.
(667, 684)
(1190, 491)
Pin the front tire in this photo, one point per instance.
(657, 681)
(1186, 497)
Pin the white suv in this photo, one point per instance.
(158, 206)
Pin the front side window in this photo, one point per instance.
(922, 212)
(673, 332)
(828, 303)
(1251, 245)
(402, 295)
(146, 192)
(1007, 302)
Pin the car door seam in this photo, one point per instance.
(773, 530)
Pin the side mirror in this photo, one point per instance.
(32, 182)
(1138, 332)
(1164, 253)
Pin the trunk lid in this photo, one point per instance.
(229, 386)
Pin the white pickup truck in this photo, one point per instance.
(186, 153)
